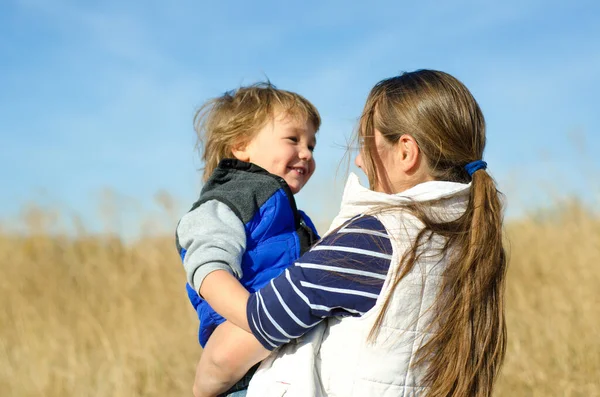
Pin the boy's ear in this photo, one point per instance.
(240, 152)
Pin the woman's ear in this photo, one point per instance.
(409, 153)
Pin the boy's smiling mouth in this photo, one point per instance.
(299, 170)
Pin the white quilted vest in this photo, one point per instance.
(335, 359)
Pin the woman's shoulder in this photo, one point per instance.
(364, 222)
(363, 232)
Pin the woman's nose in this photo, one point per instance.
(358, 161)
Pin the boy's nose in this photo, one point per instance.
(306, 154)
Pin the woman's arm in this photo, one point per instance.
(341, 276)
(228, 355)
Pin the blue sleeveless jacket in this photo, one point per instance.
(277, 233)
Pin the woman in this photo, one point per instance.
(405, 294)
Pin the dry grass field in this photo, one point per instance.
(95, 316)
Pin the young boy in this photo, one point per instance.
(245, 228)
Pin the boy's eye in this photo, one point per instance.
(311, 148)
(293, 138)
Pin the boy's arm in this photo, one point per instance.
(228, 355)
(226, 296)
(211, 237)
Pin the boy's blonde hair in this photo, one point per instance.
(235, 117)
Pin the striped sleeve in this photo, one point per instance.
(340, 276)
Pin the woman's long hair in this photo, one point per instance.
(464, 354)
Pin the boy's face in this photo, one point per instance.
(284, 147)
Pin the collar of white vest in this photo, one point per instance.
(358, 199)
(357, 194)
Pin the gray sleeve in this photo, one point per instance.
(214, 239)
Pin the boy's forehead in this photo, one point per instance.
(304, 127)
(289, 115)
(294, 120)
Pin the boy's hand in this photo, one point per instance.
(228, 355)
(226, 296)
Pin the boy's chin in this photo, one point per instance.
(295, 189)
(295, 185)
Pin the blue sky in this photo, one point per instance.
(97, 95)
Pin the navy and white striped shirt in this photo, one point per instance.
(341, 275)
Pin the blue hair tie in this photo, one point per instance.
(474, 166)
